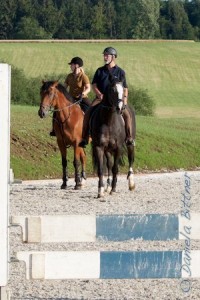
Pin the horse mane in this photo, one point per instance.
(47, 84)
(63, 90)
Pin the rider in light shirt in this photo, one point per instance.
(78, 85)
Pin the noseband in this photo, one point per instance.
(51, 95)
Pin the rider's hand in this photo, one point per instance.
(100, 96)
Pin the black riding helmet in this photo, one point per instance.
(77, 61)
(110, 51)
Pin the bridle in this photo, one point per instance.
(50, 108)
(117, 88)
(52, 93)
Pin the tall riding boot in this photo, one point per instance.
(128, 127)
(85, 130)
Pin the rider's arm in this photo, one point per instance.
(99, 95)
(66, 83)
(86, 90)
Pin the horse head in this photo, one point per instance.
(114, 93)
(48, 94)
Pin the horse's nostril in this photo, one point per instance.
(41, 113)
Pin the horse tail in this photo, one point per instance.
(122, 161)
(94, 159)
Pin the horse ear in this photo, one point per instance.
(43, 81)
(55, 83)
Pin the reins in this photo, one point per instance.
(52, 110)
(52, 96)
(67, 106)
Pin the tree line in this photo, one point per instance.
(100, 19)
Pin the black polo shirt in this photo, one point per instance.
(101, 77)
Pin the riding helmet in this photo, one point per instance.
(110, 51)
(77, 61)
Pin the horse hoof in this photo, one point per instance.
(63, 187)
(101, 191)
(83, 182)
(132, 187)
(112, 191)
(78, 187)
(102, 199)
(108, 189)
(131, 183)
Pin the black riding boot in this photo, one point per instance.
(86, 127)
(85, 131)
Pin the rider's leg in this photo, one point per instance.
(86, 126)
(128, 127)
(86, 101)
(85, 130)
(96, 101)
(85, 104)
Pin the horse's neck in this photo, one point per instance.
(108, 114)
(109, 99)
(108, 104)
(61, 105)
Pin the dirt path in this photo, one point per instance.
(155, 193)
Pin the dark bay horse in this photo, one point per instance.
(67, 126)
(108, 138)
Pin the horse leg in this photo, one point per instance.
(115, 170)
(100, 155)
(83, 164)
(131, 153)
(130, 176)
(63, 151)
(76, 164)
(65, 173)
(109, 168)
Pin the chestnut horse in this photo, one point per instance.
(68, 124)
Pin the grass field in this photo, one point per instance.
(162, 144)
(168, 70)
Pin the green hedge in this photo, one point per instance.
(26, 91)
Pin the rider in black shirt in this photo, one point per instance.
(101, 77)
(99, 84)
